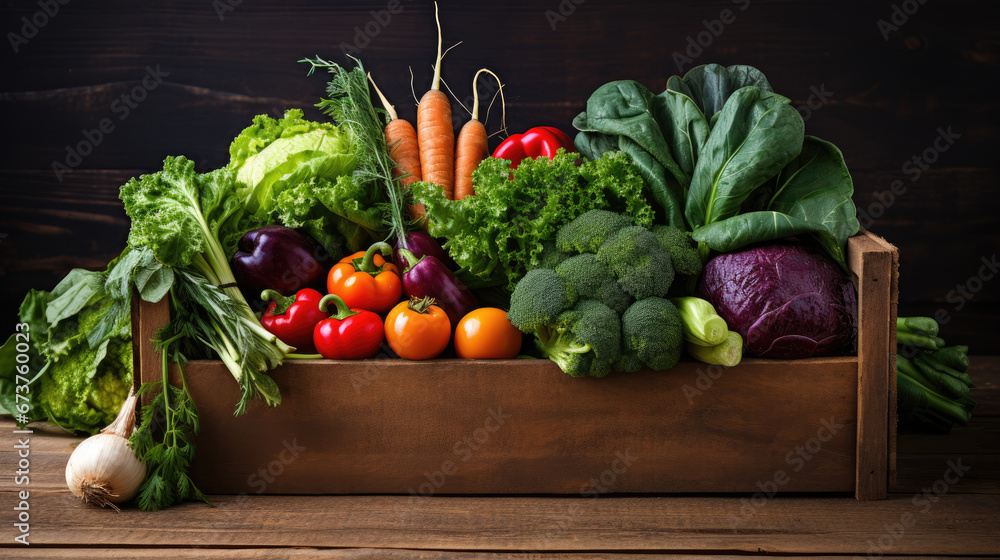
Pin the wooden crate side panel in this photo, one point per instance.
(872, 262)
(514, 427)
(893, 394)
(152, 316)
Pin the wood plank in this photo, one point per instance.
(366, 554)
(954, 525)
(923, 470)
(875, 78)
(985, 374)
(460, 427)
(972, 439)
(152, 316)
(872, 261)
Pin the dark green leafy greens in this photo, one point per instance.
(756, 135)
(725, 158)
(181, 216)
(70, 382)
(811, 195)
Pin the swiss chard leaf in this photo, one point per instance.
(663, 134)
(684, 129)
(810, 196)
(711, 85)
(756, 135)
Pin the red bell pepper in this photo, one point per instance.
(293, 319)
(536, 142)
(350, 334)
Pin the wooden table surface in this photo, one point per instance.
(947, 502)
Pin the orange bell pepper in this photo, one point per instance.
(366, 281)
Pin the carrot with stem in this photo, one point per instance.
(401, 140)
(435, 136)
(472, 146)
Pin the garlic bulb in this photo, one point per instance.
(103, 469)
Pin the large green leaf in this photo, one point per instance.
(711, 85)
(684, 129)
(756, 135)
(663, 134)
(810, 197)
(755, 227)
(817, 187)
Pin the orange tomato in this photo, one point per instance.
(417, 329)
(486, 333)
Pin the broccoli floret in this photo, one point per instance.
(640, 263)
(550, 257)
(584, 340)
(539, 298)
(590, 230)
(592, 280)
(683, 253)
(652, 332)
(628, 362)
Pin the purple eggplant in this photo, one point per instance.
(278, 258)
(428, 277)
(422, 244)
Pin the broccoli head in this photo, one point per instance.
(584, 340)
(641, 265)
(592, 280)
(683, 253)
(590, 230)
(653, 333)
(550, 257)
(538, 299)
(628, 362)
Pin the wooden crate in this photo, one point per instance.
(523, 427)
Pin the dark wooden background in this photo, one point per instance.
(889, 99)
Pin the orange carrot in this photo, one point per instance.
(435, 136)
(401, 141)
(472, 146)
